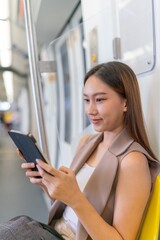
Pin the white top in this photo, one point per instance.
(69, 217)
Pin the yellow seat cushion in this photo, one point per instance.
(150, 228)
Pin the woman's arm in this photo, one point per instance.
(132, 193)
(133, 190)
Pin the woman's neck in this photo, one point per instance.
(109, 136)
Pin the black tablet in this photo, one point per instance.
(27, 145)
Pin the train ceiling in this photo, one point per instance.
(52, 16)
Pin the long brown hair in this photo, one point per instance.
(123, 80)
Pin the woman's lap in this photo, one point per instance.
(22, 228)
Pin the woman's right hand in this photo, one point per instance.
(32, 175)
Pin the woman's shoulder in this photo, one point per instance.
(137, 157)
(134, 159)
(138, 149)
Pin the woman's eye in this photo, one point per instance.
(86, 100)
(99, 99)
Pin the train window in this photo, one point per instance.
(69, 56)
(124, 32)
(136, 32)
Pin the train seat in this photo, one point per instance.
(150, 228)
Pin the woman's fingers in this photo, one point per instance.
(20, 154)
(27, 165)
(36, 181)
(31, 173)
(47, 168)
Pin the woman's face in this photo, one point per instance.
(104, 107)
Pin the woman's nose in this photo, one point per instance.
(91, 110)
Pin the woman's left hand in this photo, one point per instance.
(61, 184)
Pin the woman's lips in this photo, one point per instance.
(95, 121)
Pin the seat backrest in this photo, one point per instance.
(150, 228)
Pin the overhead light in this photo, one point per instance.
(4, 9)
(5, 35)
(8, 83)
(5, 44)
(5, 58)
(4, 106)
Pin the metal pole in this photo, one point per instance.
(35, 76)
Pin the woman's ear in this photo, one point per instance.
(125, 109)
(125, 105)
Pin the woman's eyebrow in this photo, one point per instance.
(95, 94)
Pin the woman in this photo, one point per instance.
(113, 171)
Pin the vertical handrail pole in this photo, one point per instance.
(35, 76)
